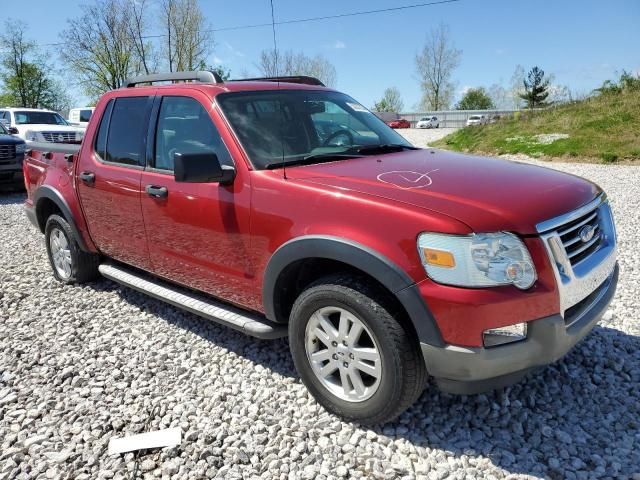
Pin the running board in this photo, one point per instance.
(246, 322)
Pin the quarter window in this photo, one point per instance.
(101, 138)
(184, 126)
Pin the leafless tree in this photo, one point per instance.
(435, 64)
(138, 27)
(500, 98)
(187, 36)
(98, 47)
(517, 87)
(275, 63)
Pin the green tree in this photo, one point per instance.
(25, 74)
(536, 88)
(224, 73)
(390, 101)
(475, 99)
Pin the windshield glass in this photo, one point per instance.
(25, 117)
(298, 124)
(3, 131)
(474, 117)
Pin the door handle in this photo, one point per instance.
(156, 191)
(88, 178)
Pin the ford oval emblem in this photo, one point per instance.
(586, 233)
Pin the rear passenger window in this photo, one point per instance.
(184, 126)
(127, 131)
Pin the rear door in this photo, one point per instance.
(108, 182)
(198, 233)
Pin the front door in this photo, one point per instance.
(198, 233)
(108, 180)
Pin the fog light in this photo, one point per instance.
(502, 335)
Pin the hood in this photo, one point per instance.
(10, 140)
(487, 194)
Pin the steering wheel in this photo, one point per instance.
(337, 134)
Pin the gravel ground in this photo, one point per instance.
(80, 364)
(420, 137)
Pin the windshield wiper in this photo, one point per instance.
(383, 148)
(314, 158)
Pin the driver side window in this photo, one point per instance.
(184, 126)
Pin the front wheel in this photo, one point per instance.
(352, 354)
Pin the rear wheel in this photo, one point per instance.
(68, 262)
(352, 354)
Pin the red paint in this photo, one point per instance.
(219, 239)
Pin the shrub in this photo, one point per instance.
(608, 157)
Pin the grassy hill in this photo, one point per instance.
(605, 127)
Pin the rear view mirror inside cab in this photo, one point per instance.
(312, 107)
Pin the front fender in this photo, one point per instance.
(361, 257)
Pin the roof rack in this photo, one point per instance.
(198, 76)
(287, 79)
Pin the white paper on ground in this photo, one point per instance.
(169, 437)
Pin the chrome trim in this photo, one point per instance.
(560, 220)
(576, 282)
(604, 288)
(578, 225)
(578, 251)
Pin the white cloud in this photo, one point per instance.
(501, 51)
(217, 60)
(339, 44)
(230, 47)
(464, 90)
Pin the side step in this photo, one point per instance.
(246, 322)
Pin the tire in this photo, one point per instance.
(68, 262)
(400, 369)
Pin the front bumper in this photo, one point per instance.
(465, 370)
(11, 170)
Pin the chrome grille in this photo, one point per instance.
(7, 152)
(581, 262)
(60, 137)
(576, 248)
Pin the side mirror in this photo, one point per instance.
(201, 168)
(13, 130)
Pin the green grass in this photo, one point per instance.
(605, 128)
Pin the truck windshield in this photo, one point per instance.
(24, 117)
(289, 126)
(3, 131)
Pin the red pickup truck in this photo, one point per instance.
(280, 207)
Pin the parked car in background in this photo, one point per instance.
(384, 263)
(38, 125)
(494, 118)
(399, 123)
(428, 122)
(12, 150)
(80, 116)
(476, 120)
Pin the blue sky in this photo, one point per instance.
(581, 42)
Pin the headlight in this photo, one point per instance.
(31, 136)
(20, 148)
(478, 260)
(79, 136)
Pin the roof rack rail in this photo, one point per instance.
(287, 79)
(201, 76)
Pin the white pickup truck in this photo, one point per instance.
(38, 125)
